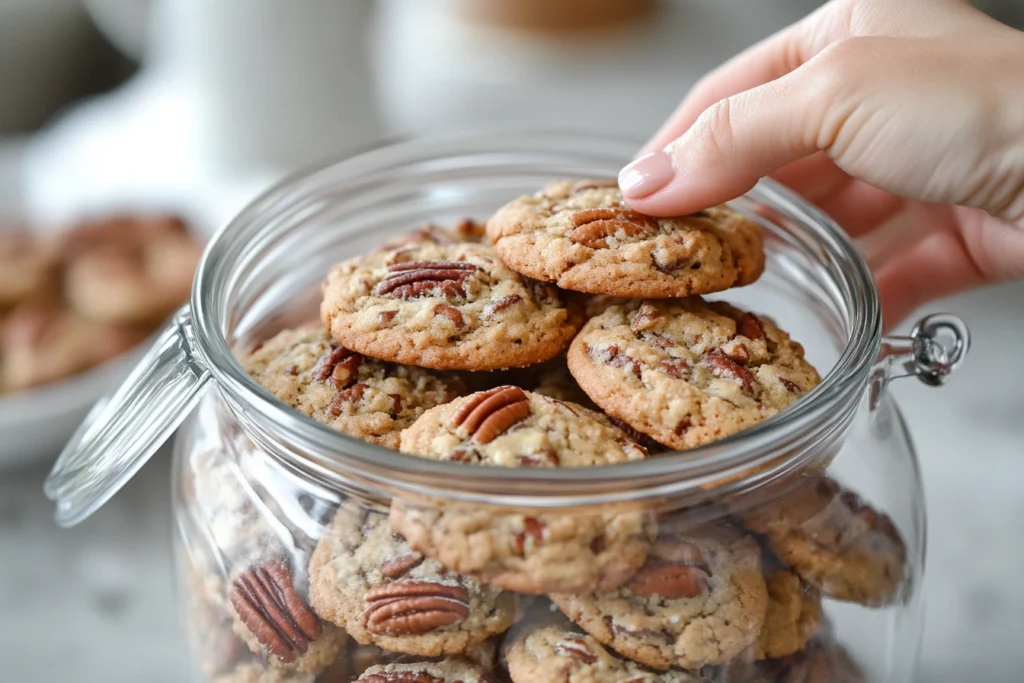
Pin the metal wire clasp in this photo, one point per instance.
(935, 348)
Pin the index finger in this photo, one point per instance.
(772, 58)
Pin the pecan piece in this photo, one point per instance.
(576, 648)
(644, 318)
(615, 358)
(501, 304)
(451, 313)
(399, 677)
(266, 600)
(350, 395)
(736, 352)
(532, 528)
(791, 387)
(399, 565)
(593, 227)
(414, 279)
(414, 607)
(489, 414)
(726, 368)
(636, 435)
(338, 366)
(749, 326)
(678, 368)
(669, 581)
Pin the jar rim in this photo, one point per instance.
(329, 454)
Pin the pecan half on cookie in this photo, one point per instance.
(445, 306)
(583, 237)
(382, 592)
(524, 550)
(274, 617)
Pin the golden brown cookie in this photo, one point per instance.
(466, 230)
(699, 599)
(448, 307)
(363, 397)
(832, 539)
(446, 671)
(687, 372)
(582, 236)
(531, 551)
(42, 343)
(382, 592)
(553, 651)
(129, 269)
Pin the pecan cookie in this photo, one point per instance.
(833, 540)
(447, 671)
(822, 661)
(793, 616)
(699, 599)
(363, 397)
(26, 267)
(448, 307)
(524, 550)
(558, 653)
(381, 591)
(582, 236)
(689, 371)
(509, 427)
(466, 230)
(129, 269)
(43, 342)
(272, 617)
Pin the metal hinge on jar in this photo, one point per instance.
(934, 349)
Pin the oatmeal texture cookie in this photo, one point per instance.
(363, 397)
(448, 307)
(555, 652)
(833, 540)
(509, 427)
(466, 230)
(26, 267)
(793, 616)
(531, 551)
(382, 592)
(445, 671)
(130, 269)
(43, 342)
(823, 661)
(688, 372)
(581, 236)
(699, 599)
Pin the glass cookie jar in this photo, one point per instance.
(792, 551)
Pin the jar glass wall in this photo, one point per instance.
(789, 552)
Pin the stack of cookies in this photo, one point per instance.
(72, 301)
(568, 332)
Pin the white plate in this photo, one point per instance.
(35, 424)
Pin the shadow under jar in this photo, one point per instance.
(792, 551)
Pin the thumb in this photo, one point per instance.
(737, 141)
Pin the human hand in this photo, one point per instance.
(868, 108)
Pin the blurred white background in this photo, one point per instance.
(199, 104)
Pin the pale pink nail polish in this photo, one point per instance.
(646, 175)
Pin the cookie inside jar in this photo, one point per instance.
(555, 341)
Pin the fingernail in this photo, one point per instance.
(646, 175)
